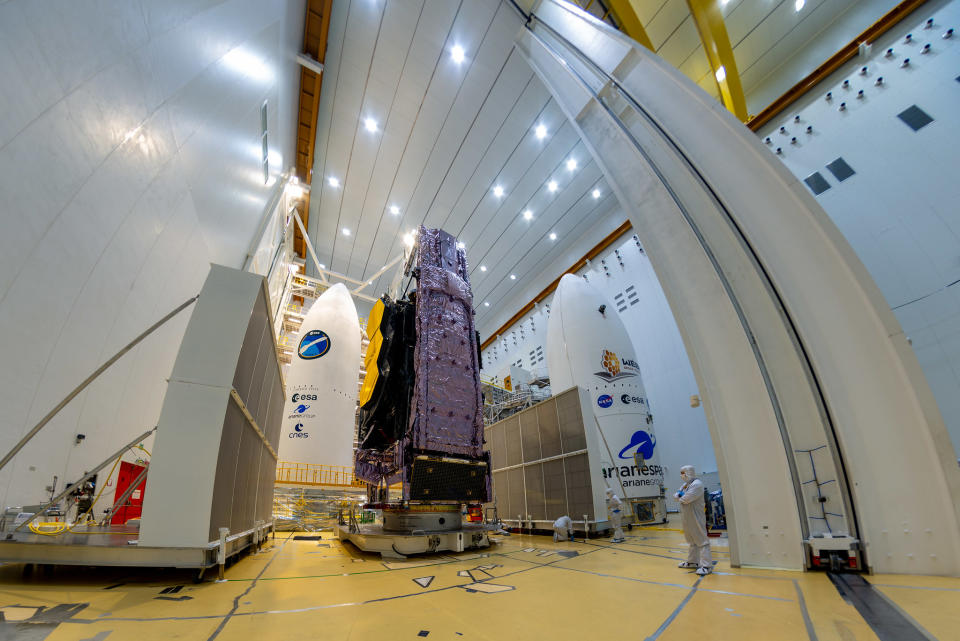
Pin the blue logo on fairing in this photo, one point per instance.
(605, 401)
(639, 442)
(314, 344)
(301, 409)
(298, 427)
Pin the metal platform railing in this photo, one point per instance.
(313, 475)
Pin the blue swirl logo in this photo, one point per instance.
(639, 442)
(314, 344)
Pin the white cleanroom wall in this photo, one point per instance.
(130, 159)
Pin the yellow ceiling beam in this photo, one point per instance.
(716, 43)
(627, 17)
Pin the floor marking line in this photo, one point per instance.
(318, 607)
(887, 620)
(673, 615)
(914, 587)
(236, 600)
(676, 585)
(811, 632)
(613, 547)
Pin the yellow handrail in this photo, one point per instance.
(314, 475)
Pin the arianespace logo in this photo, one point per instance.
(605, 401)
(640, 442)
(612, 369)
(298, 432)
(314, 344)
(300, 411)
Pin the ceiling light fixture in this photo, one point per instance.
(528, 215)
(541, 132)
(552, 186)
(596, 194)
(571, 164)
(486, 304)
(408, 240)
(483, 268)
(498, 191)
(798, 4)
(457, 54)
(721, 73)
(553, 236)
(333, 182)
(322, 266)
(370, 124)
(346, 232)
(394, 210)
(513, 277)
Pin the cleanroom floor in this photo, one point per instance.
(522, 587)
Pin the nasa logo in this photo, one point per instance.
(314, 344)
(626, 399)
(605, 401)
(640, 442)
(298, 432)
(303, 397)
(611, 368)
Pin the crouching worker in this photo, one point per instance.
(563, 529)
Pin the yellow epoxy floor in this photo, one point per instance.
(521, 587)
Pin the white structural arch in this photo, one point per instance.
(800, 362)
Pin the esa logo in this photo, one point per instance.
(605, 401)
(303, 397)
(626, 399)
(298, 432)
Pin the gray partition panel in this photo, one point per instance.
(213, 467)
(552, 476)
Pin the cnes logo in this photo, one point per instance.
(298, 432)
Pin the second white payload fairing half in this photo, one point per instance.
(322, 385)
(588, 346)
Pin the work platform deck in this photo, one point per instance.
(112, 545)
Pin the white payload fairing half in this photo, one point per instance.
(588, 346)
(320, 414)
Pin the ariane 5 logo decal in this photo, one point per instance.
(298, 432)
(639, 442)
(612, 371)
(605, 401)
(314, 344)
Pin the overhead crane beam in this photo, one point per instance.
(716, 44)
(625, 13)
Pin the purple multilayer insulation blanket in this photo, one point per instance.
(446, 412)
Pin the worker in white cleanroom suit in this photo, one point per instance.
(614, 509)
(563, 529)
(692, 506)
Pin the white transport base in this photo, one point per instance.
(398, 545)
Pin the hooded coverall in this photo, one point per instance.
(695, 523)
